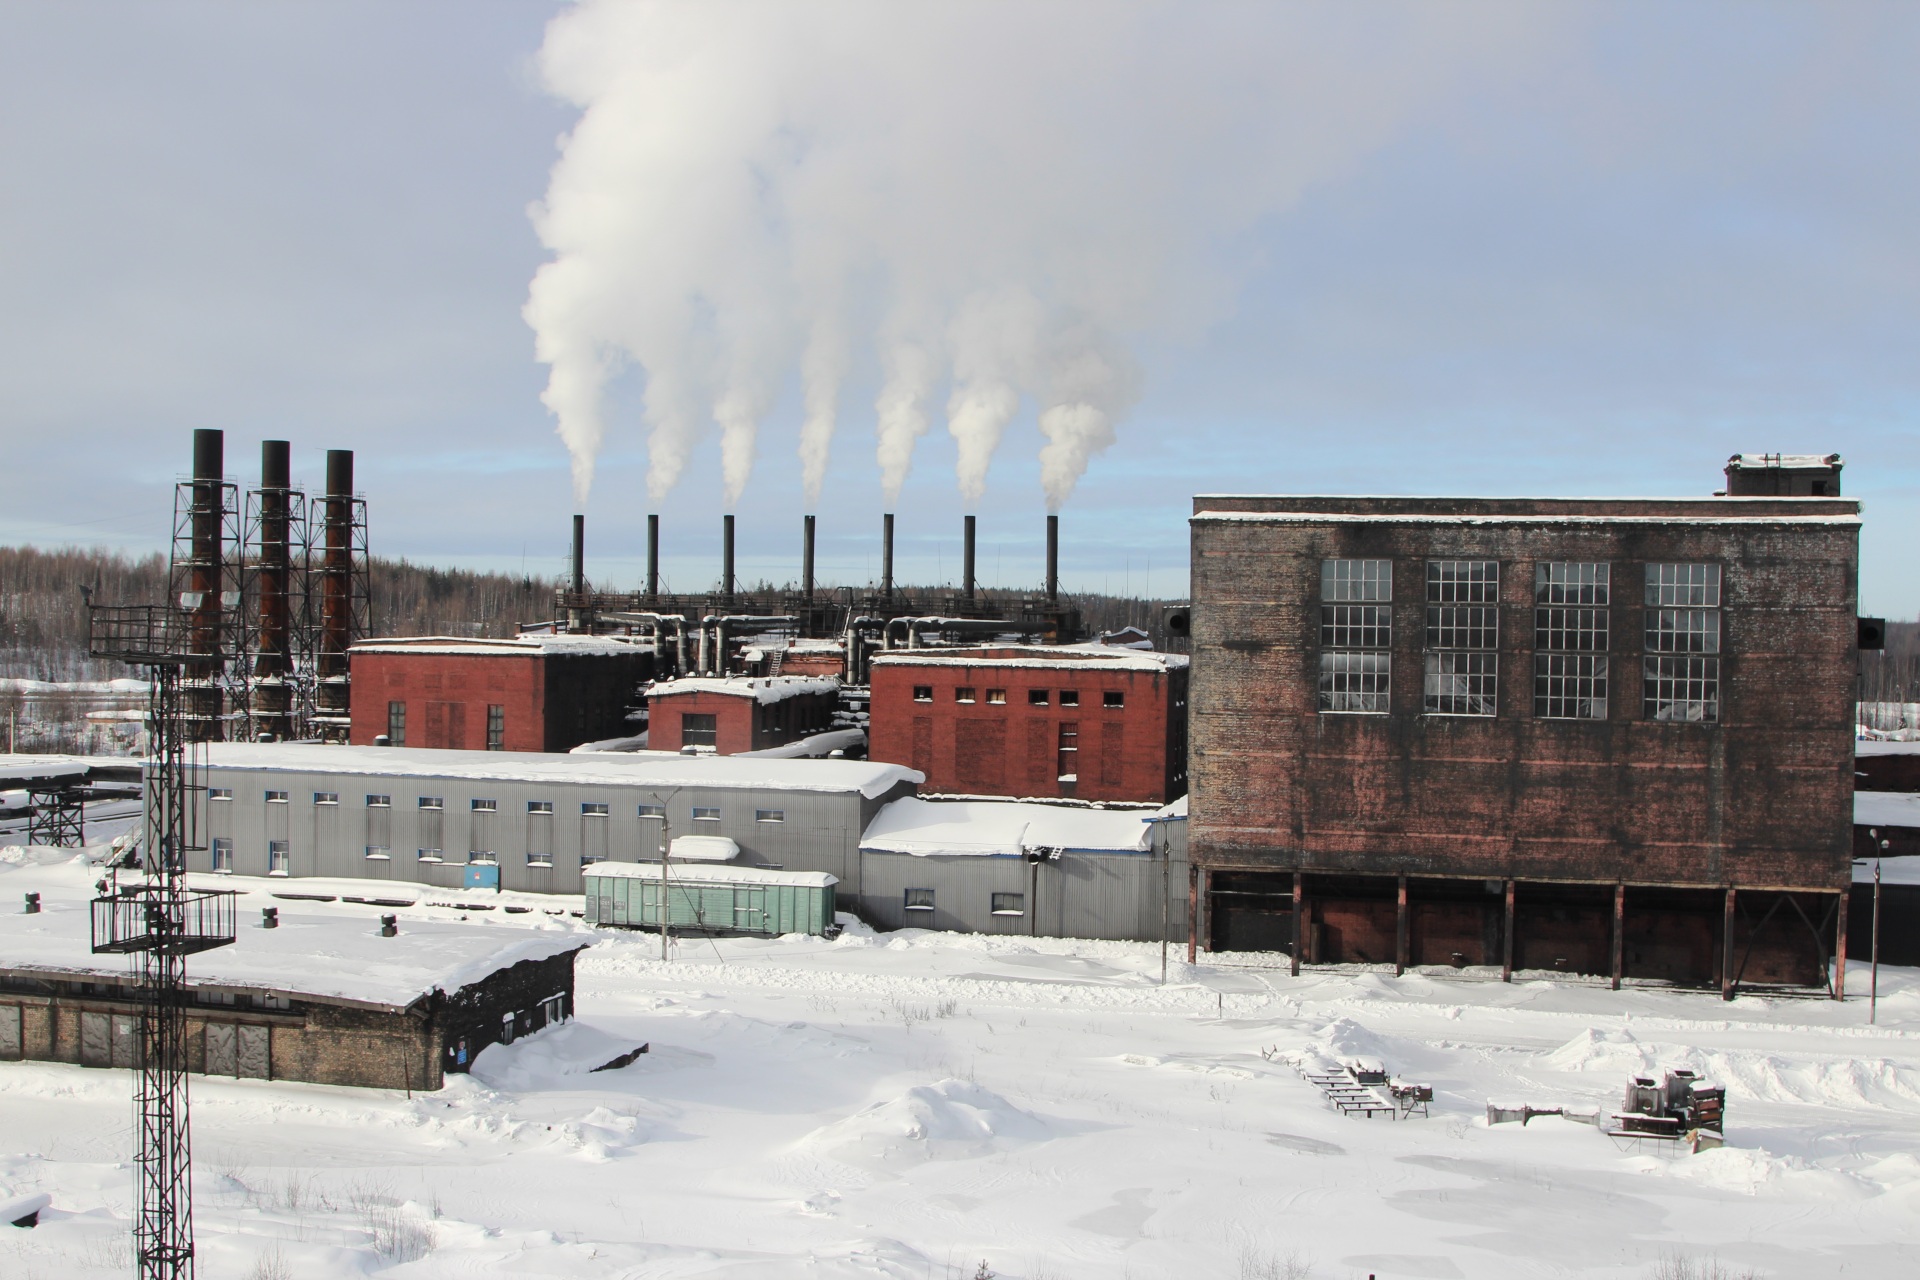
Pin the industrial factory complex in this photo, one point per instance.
(1611, 737)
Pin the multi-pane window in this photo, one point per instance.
(279, 858)
(705, 814)
(769, 815)
(397, 724)
(379, 853)
(923, 693)
(496, 728)
(657, 812)
(593, 809)
(276, 797)
(484, 806)
(1681, 680)
(996, 697)
(1069, 697)
(1036, 697)
(431, 802)
(1113, 698)
(540, 806)
(220, 793)
(1463, 637)
(1356, 630)
(223, 855)
(379, 802)
(326, 797)
(963, 694)
(1570, 636)
(699, 730)
(919, 900)
(1009, 904)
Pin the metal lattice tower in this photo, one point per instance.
(276, 632)
(159, 920)
(343, 611)
(204, 585)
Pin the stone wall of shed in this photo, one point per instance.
(476, 1014)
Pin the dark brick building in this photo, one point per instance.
(533, 693)
(729, 716)
(1599, 736)
(1080, 721)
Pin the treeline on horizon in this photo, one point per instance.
(43, 614)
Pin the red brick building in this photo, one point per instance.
(729, 716)
(1081, 721)
(532, 693)
(1601, 736)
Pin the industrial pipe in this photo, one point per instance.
(336, 565)
(273, 658)
(726, 556)
(579, 618)
(966, 559)
(653, 557)
(661, 623)
(713, 660)
(886, 555)
(909, 630)
(1053, 559)
(806, 560)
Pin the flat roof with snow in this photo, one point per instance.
(318, 954)
(652, 769)
(540, 645)
(1886, 809)
(708, 873)
(1049, 656)
(1002, 829)
(762, 689)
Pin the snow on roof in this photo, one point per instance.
(1342, 517)
(813, 746)
(1000, 829)
(44, 768)
(648, 769)
(1085, 657)
(709, 874)
(1177, 809)
(1892, 871)
(1886, 809)
(1884, 747)
(704, 849)
(763, 689)
(1788, 461)
(541, 645)
(317, 952)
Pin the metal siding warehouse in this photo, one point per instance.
(325, 818)
(1077, 872)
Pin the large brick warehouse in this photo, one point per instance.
(1597, 736)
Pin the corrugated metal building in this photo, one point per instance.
(523, 820)
(1023, 868)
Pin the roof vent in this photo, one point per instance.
(269, 917)
(33, 904)
(389, 926)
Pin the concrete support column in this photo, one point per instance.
(1840, 948)
(1726, 947)
(1400, 932)
(1506, 939)
(1193, 911)
(1299, 923)
(1619, 933)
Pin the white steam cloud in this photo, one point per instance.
(996, 201)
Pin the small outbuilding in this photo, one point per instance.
(988, 866)
(710, 897)
(739, 714)
(322, 996)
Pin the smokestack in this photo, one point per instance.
(579, 582)
(336, 566)
(206, 577)
(886, 555)
(1053, 560)
(653, 557)
(806, 560)
(726, 555)
(273, 662)
(966, 559)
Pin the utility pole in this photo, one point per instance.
(159, 920)
(1873, 990)
(666, 849)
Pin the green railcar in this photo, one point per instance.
(743, 900)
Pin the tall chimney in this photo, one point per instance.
(205, 578)
(336, 587)
(806, 560)
(966, 559)
(726, 555)
(653, 557)
(578, 583)
(273, 660)
(1053, 559)
(886, 555)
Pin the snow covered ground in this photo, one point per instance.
(908, 1105)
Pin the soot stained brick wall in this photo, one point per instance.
(1761, 798)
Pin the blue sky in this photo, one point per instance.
(1627, 246)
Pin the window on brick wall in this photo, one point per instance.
(1113, 698)
(697, 730)
(1681, 676)
(1067, 756)
(496, 728)
(1069, 697)
(1570, 637)
(1356, 630)
(923, 693)
(996, 697)
(963, 694)
(397, 724)
(1036, 697)
(1463, 638)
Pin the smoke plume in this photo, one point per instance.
(986, 204)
